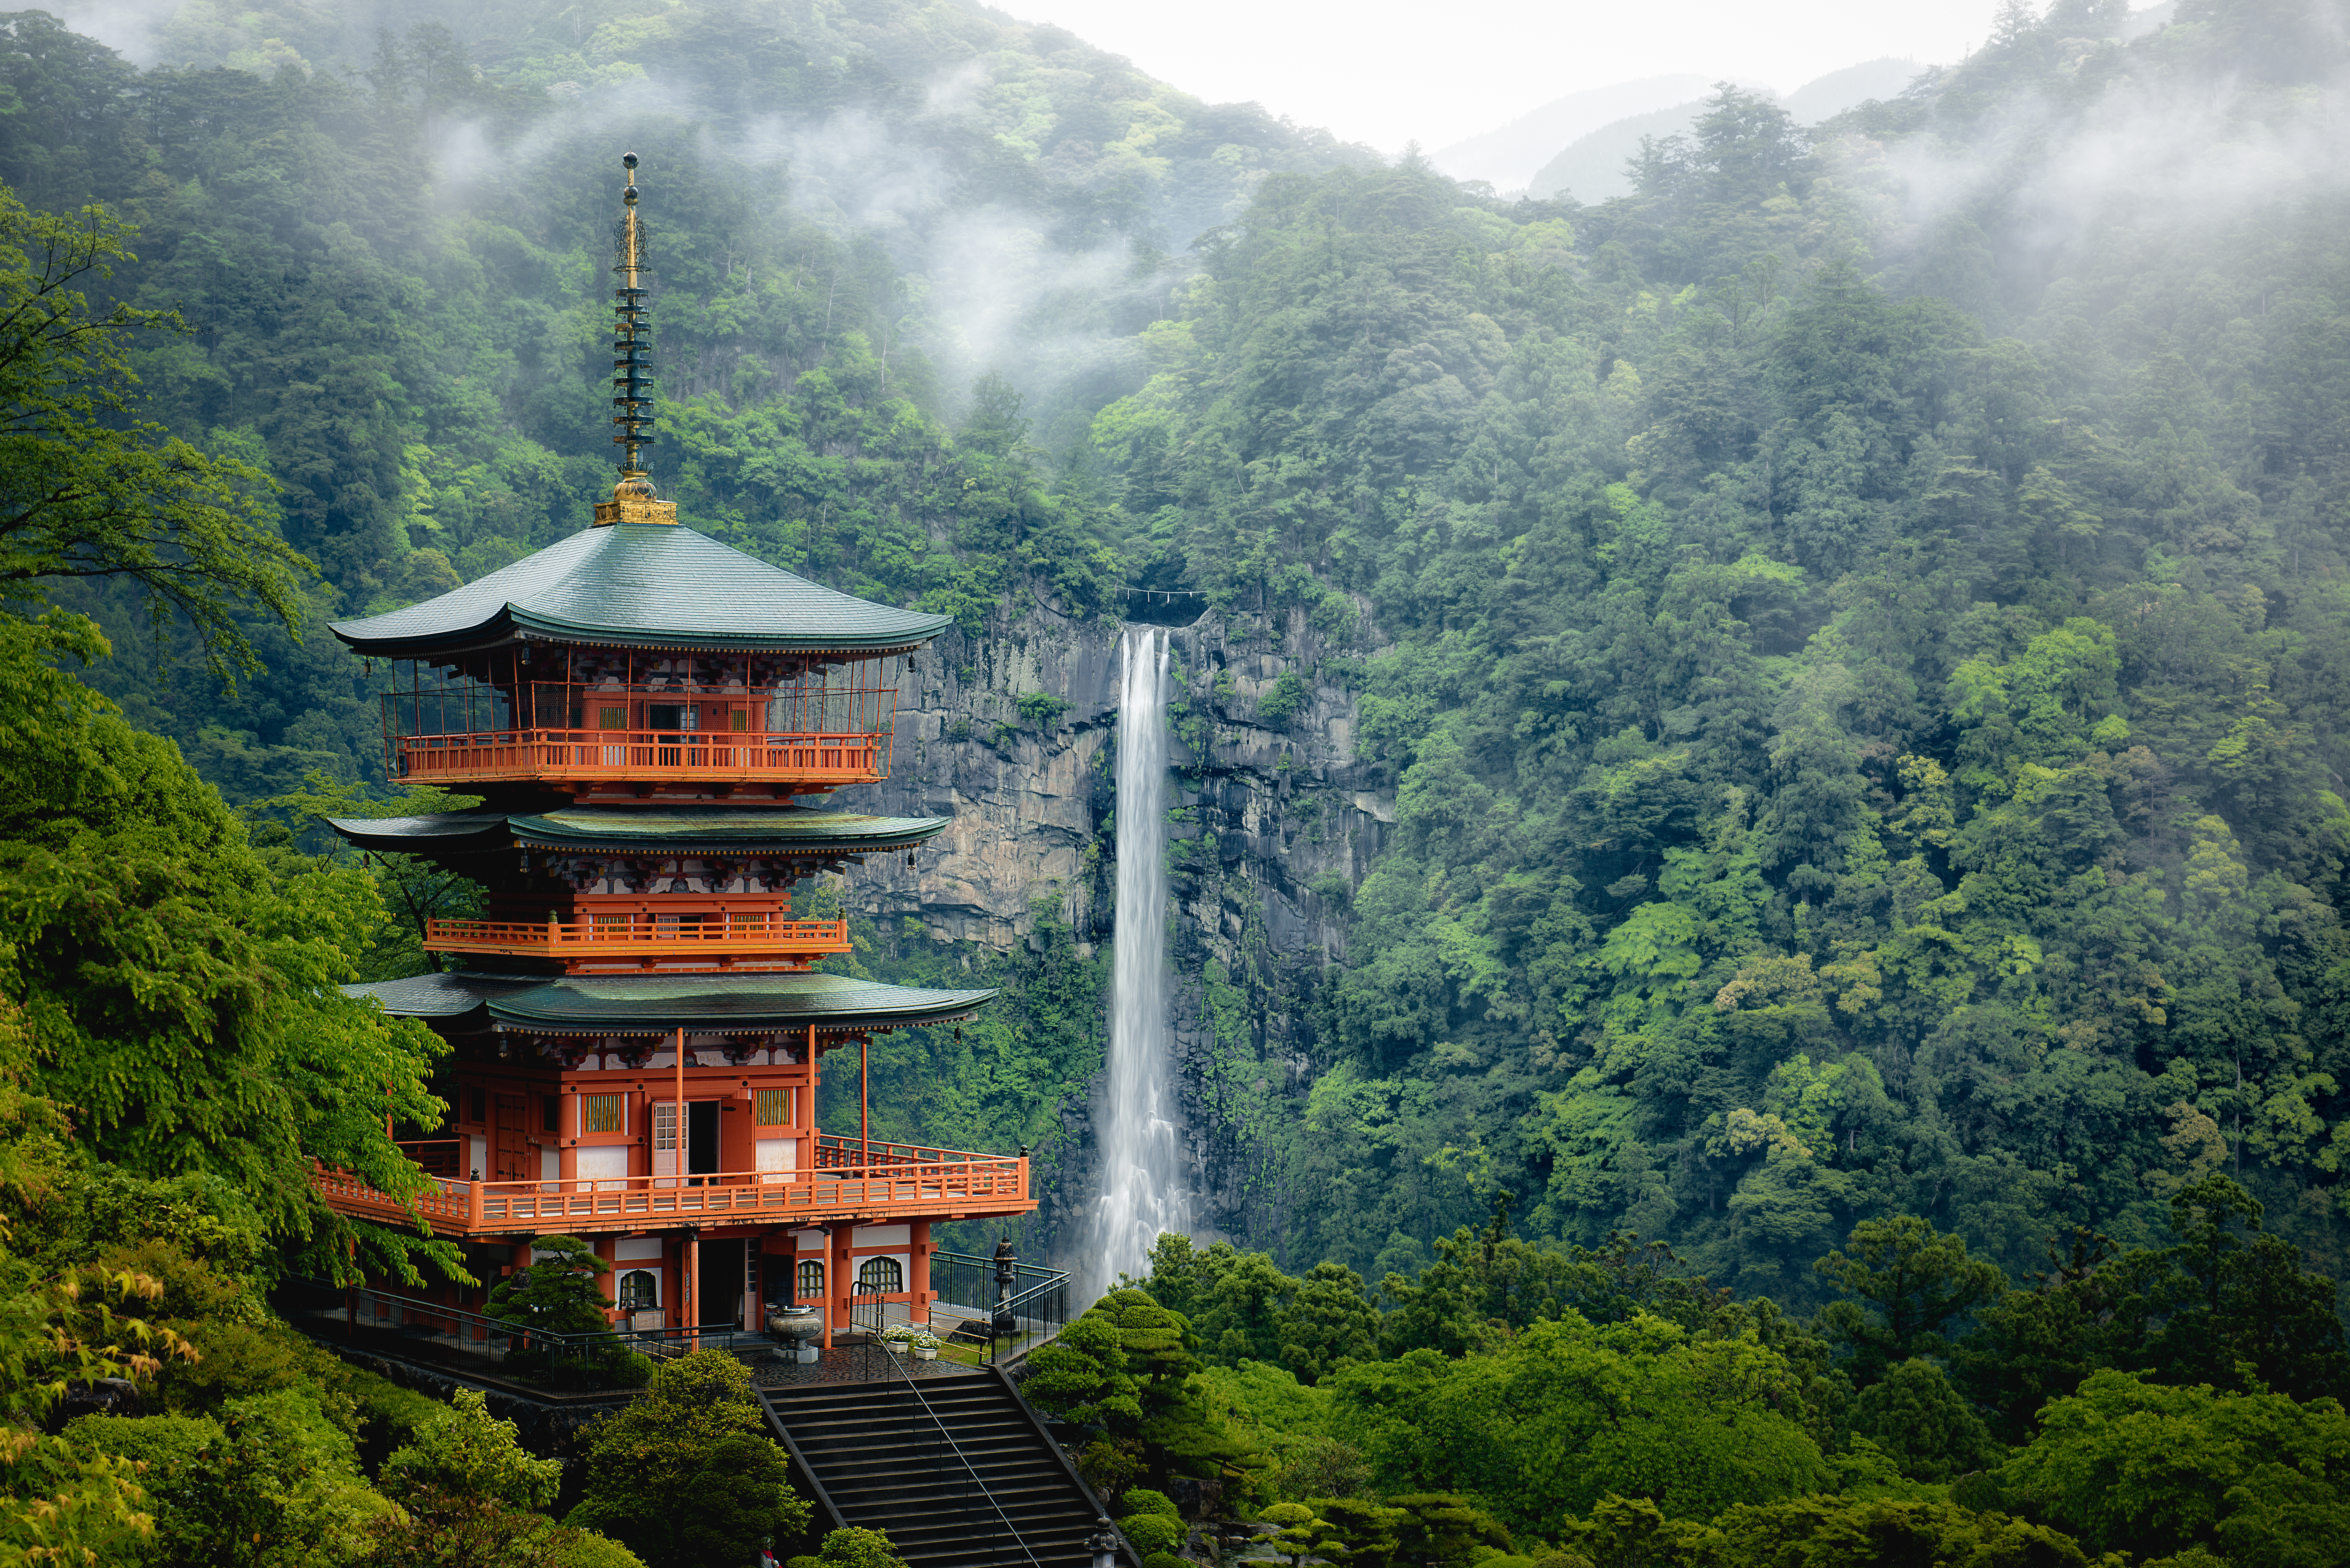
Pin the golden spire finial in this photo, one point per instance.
(632, 346)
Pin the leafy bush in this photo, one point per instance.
(1284, 700)
(465, 1450)
(855, 1547)
(1042, 709)
(1153, 1531)
(1142, 1500)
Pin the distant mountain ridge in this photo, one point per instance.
(1503, 157)
(1591, 168)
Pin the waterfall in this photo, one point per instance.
(1140, 1170)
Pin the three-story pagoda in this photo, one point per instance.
(656, 723)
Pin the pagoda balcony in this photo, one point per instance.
(733, 939)
(890, 1182)
(823, 762)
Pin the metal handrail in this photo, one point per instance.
(913, 1387)
(1035, 1287)
(481, 1328)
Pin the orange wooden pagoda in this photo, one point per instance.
(655, 722)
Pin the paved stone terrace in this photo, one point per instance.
(852, 1364)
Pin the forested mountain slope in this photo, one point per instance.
(1866, 648)
(392, 264)
(1854, 632)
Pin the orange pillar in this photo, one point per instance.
(692, 1281)
(840, 1274)
(681, 1109)
(918, 1277)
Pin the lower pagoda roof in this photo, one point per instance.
(619, 830)
(659, 1004)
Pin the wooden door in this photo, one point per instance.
(511, 1151)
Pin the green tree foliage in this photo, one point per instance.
(2254, 1477)
(90, 489)
(697, 1432)
(856, 1548)
(466, 1451)
(1569, 1411)
(1081, 1378)
(1835, 1531)
(272, 1482)
(180, 984)
(1902, 1285)
(1914, 1415)
(2229, 1305)
(557, 1291)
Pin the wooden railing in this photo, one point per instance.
(565, 754)
(960, 1186)
(837, 1151)
(622, 936)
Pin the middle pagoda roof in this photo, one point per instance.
(831, 1004)
(621, 830)
(644, 584)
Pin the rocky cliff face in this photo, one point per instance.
(1274, 826)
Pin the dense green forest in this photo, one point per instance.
(1840, 1058)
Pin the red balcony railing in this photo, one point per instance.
(730, 934)
(960, 1186)
(556, 756)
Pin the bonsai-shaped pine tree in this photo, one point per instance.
(558, 1293)
(1298, 1534)
(1153, 1522)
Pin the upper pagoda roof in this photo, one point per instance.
(643, 586)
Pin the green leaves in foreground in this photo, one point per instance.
(2256, 1477)
(697, 1433)
(179, 986)
(87, 488)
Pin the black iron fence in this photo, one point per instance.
(973, 1307)
(617, 1358)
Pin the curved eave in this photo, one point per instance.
(440, 996)
(450, 833)
(667, 835)
(832, 1005)
(905, 640)
(504, 629)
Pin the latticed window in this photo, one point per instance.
(811, 1279)
(774, 1107)
(603, 1113)
(611, 717)
(638, 1291)
(880, 1277)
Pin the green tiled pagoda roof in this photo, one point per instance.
(643, 586)
(688, 830)
(654, 1004)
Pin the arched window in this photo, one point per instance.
(639, 1291)
(811, 1279)
(880, 1277)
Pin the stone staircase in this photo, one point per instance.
(959, 1470)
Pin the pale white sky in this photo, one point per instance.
(1387, 72)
